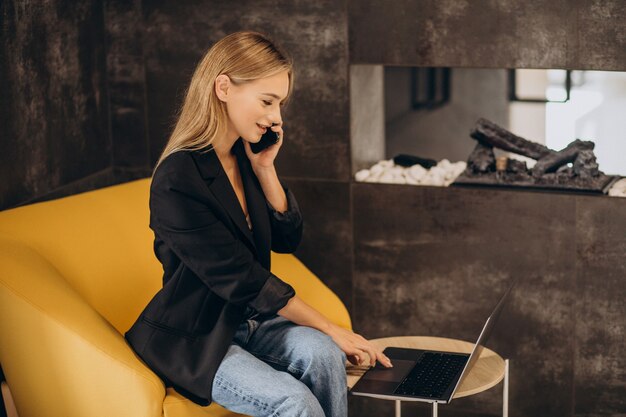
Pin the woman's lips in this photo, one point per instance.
(263, 129)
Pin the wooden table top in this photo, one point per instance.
(487, 372)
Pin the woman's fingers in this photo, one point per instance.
(356, 347)
(354, 359)
(278, 129)
(374, 353)
(359, 356)
(371, 352)
(382, 358)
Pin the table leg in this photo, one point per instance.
(398, 410)
(505, 391)
(435, 409)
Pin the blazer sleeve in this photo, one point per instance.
(286, 227)
(180, 215)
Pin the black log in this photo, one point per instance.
(585, 165)
(481, 159)
(515, 166)
(554, 160)
(489, 133)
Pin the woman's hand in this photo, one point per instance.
(357, 348)
(265, 159)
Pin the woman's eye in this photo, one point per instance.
(267, 103)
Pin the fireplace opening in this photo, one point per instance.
(413, 126)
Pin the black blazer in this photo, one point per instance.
(216, 272)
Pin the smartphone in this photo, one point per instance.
(268, 139)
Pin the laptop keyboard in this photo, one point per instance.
(432, 375)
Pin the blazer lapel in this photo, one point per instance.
(255, 199)
(218, 183)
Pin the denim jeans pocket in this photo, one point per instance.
(245, 331)
(252, 326)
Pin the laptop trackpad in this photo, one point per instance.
(396, 374)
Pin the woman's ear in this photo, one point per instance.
(222, 85)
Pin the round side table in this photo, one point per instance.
(487, 372)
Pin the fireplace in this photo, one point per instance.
(407, 131)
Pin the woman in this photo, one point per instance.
(223, 328)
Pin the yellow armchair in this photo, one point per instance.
(74, 275)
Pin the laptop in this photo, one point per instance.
(425, 375)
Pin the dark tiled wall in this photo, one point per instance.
(433, 261)
(53, 105)
(574, 34)
(72, 116)
(327, 246)
(126, 84)
(600, 364)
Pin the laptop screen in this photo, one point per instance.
(484, 335)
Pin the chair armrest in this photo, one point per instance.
(60, 357)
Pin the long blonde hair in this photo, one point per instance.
(244, 57)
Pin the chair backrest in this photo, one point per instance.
(100, 242)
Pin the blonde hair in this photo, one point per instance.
(244, 57)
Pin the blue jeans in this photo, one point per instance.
(277, 368)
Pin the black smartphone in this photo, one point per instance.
(268, 139)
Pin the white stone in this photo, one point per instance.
(410, 180)
(437, 171)
(385, 171)
(437, 177)
(374, 176)
(618, 189)
(459, 167)
(362, 175)
(396, 170)
(386, 178)
(417, 172)
(444, 163)
(377, 169)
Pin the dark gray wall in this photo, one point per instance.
(71, 107)
(89, 91)
(573, 34)
(436, 260)
(54, 105)
(126, 85)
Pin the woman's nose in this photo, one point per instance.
(275, 119)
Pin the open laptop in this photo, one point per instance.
(425, 375)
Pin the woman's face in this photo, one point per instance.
(253, 106)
